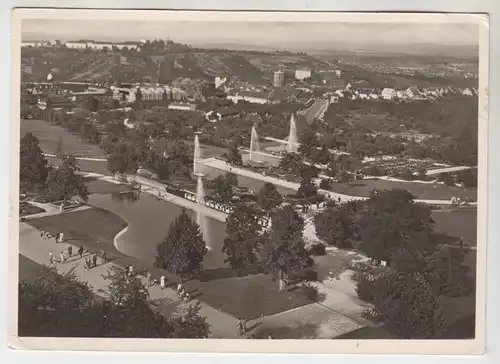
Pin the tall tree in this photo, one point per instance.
(269, 197)
(33, 169)
(335, 225)
(183, 249)
(282, 252)
(234, 154)
(65, 183)
(123, 159)
(392, 220)
(291, 163)
(408, 306)
(243, 237)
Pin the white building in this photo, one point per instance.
(302, 74)
(413, 92)
(99, 46)
(182, 106)
(252, 97)
(126, 46)
(388, 93)
(220, 81)
(34, 44)
(338, 73)
(76, 44)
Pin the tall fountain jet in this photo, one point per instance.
(292, 137)
(201, 219)
(197, 156)
(254, 144)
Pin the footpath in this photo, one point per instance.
(31, 246)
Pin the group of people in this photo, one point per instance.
(182, 293)
(46, 235)
(242, 326)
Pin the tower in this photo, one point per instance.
(279, 78)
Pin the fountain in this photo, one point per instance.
(292, 137)
(254, 144)
(197, 156)
(201, 219)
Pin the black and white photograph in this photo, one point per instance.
(252, 176)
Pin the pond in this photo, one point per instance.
(148, 222)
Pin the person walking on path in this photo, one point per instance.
(42, 234)
(70, 251)
(162, 282)
(51, 256)
(80, 251)
(94, 260)
(61, 237)
(63, 257)
(239, 325)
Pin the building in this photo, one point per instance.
(338, 73)
(182, 106)
(302, 74)
(220, 81)
(467, 92)
(279, 79)
(249, 96)
(34, 44)
(413, 92)
(79, 44)
(99, 46)
(388, 93)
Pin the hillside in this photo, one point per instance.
(176, 61)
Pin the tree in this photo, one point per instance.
(291, 163)
(282, 252)
(54, 305)
(109, 142)
(336, 224)
(407, 305)
(223, 189)
(234, 156)
(64, 183)
(92, 104)
(243, 237)
(183, 249)
(269, 197)
(392, 220)
(468, 177)
(447, 178)
(122, 159)
(307, 188)
(33, 169)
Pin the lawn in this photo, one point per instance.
(87, 166)
(93, 228)
(28, 269)
(422, 191)
(457, 224)
(97, 186)
(49, 136)
(250, 297)
(27, 209)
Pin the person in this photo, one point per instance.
(61, 237)
(461, 242)
(94, 260)
(70, 251)
(239, 325)
(86, 264)
(149, 278)
(63, 257)
(80, 251)
(104, 257)
(50, 254)
(162, 282)
(42, 234)
(179, 289)
(244, 324)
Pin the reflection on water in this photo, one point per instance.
(149, 219)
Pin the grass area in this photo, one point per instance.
(457, 224)
(250, 297)
(96, 227)
(27, 209)
(49, 136)
(88, 166)
(28, 269)
(97, 186)
(422, 191)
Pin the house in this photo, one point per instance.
(99, 46)
(373, 96)
(362, 85)
(339, 93)
(388, 93)
(400, 94)
(182, 106)
(413, 92)
(34, 44)
(433, 91)
(476, 92)
(467, 92)
(221, 113)
(58, 102)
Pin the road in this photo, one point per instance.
(315, 111)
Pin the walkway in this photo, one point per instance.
(222, 165)
(103, 159)
(222, 325)
(447, 170)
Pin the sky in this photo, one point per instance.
(284, 35)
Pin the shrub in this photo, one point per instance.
(317, 249)
(309, 292)
(324, 184)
